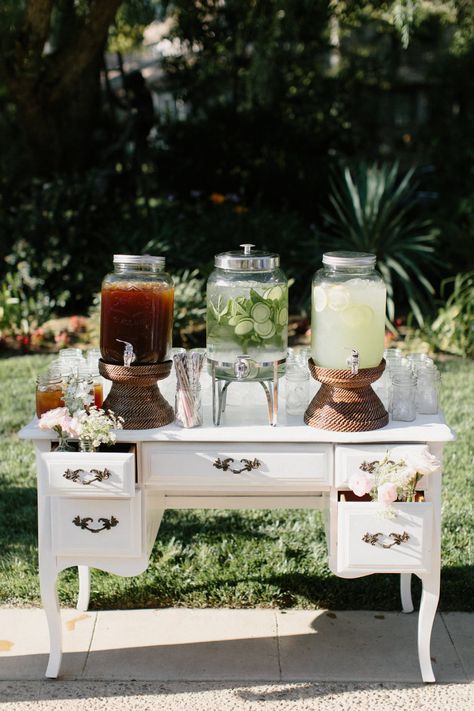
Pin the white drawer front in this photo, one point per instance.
(192, 467)
(89, 474)
(97, 527)
(348, 458)
(358, 521)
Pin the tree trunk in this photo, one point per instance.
(57, 93)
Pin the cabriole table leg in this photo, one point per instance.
(50, 601)
(405, 592)
(428, 605)
(84, 588)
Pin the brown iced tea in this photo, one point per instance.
(138, 313)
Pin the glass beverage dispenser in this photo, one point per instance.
(136, 325)
(348, 312)
(136, 321)
(247, 324)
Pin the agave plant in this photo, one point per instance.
(373, 211)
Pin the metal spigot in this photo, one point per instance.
(128, 353)
(353, 361)
(242, 367)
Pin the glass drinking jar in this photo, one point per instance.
(93, 364)
(348, 311)
(403, 391)
(297, 388)
(427, 390)
(247, 312)
(49, 392)
(136, 320)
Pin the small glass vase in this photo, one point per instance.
(63, 442)
(85, 445)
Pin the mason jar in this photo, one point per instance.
(348, 311)
(247, 313)
(49, 391)
(136, 317)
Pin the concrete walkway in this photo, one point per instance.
(235, 659)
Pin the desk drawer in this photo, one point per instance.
(89, 474)
(367, 542)
(348, 458)
(230, 467)
(97, 527)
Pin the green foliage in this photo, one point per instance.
(189, 307)
(374, 210)
(452, 330)
(231, 558)
(24, 304)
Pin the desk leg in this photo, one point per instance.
(84, 588)
(49, 597)
(405, 592)
(431, 582)
(428, 605)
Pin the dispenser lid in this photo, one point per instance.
(246, 260)
(349, 259)
(139, 260)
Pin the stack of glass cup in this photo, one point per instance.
(297, 380)
(409, 385)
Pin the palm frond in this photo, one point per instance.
(372, 209)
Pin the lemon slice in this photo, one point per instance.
(338, 298)
(358, 316)
(320, 299)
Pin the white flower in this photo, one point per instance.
(53, 418)
(425, 463)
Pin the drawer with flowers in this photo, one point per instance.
(369, 541)
(97, 527)
(243, 467)
(86, 474)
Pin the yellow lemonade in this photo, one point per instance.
(347, 316)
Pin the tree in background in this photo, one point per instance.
(51, 58)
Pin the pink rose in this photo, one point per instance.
(387, 493)
(360, 484)
(53, 418)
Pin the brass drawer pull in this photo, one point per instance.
(225, 465)
(81, 476)
(398, 539)
(107, 523)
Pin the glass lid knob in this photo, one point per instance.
(247, 247)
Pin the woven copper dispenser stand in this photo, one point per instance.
(135, 395)
(345, 401)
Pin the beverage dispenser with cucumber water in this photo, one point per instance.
(247, 325)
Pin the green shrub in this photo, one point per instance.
(453, 328)
(374, 210)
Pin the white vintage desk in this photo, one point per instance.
(111, 523)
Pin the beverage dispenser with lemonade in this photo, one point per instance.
(347, 342)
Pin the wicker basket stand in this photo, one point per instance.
(346, 402)
(135, 395)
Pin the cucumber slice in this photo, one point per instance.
(236, 309)
(244, 327)
(234, 320)
(265, 329)
(260, 312)
(283, 316)
(275, 293)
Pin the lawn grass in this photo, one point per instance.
(231, 558)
